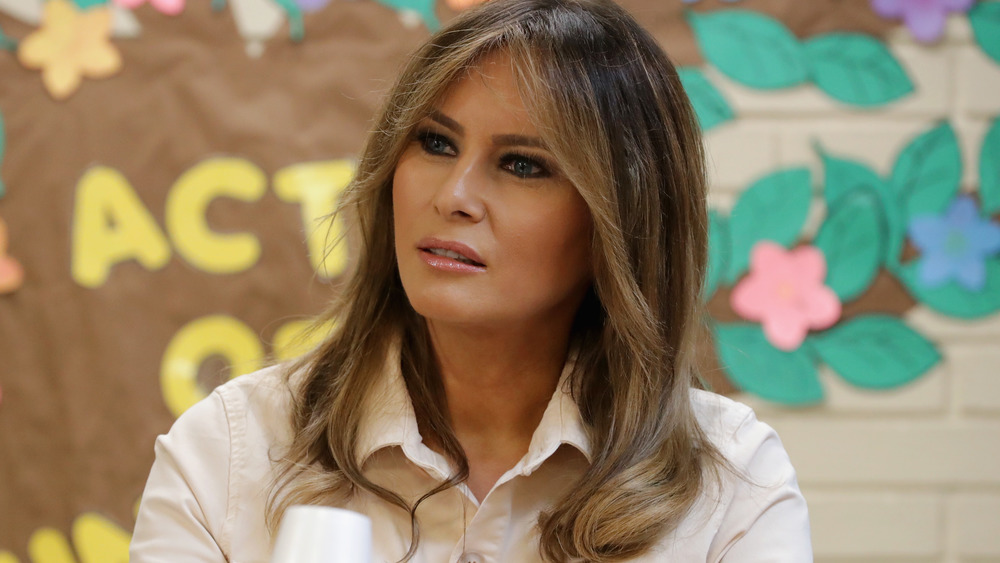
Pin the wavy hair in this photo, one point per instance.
(611, 109)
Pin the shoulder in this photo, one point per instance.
(205, 494)
(237, 421)
(258, 407)
(235, 434)
(263, 391)
(247, 396)
(720, 417)
(760, 512)
(745, 441)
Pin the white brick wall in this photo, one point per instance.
(973, 525)
(739, 152)
(852, 525)
(910, 474)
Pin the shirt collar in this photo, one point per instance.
(561, 424)
(389, 420)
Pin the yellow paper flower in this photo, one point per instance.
(69, 45)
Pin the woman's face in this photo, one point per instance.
(488, 231)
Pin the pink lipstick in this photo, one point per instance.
(450, 256)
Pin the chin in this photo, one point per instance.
(450, 310)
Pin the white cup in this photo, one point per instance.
(320, 534)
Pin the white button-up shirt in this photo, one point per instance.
(205, 497)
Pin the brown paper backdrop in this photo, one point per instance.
(79, 367)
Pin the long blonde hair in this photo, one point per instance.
(612, 111)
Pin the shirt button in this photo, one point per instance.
(471, 557)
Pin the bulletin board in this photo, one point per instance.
(165, 168)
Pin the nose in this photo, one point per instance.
(460, 196)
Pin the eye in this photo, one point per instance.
(524, 166)
(434, 143)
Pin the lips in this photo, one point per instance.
(439, 252)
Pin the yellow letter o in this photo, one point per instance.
(201, 338)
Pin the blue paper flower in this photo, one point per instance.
(955, 246)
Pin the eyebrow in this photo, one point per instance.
(502, 140)
(447, 122)
(521, 140)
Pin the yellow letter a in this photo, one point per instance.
(111, 225)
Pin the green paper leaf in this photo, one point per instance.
(718, 252)
(927, 172)
(751, 48)
(989, 170)
(296, 28)
(759, 368)
(423, 8)
(85, 4)
(852, 240)
(6, 43)
(773, 208)
(708, 103)
(953, 299)
(856, 69)
(985, 20)
(842, 176)
(876, 351)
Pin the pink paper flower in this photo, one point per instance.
(11, 272)
(461, 5)
(785, 292)
(925, 18)
(169, 7)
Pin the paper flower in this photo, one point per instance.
(460, 5)
(69, 45)
(925, 18)
(311, 5)
(169, 7)
(955, 246)
(11, 272)
(785, 292)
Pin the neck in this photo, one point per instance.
(497, 385)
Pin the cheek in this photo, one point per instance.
(405, 197)
(558, 245)
(573, 253)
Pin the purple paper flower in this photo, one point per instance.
(925, 18)
(311, 5)
(955, 246)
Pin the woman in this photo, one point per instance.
(511, 376)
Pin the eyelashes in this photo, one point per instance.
(435, 143)
(524, 166)
(521, 165)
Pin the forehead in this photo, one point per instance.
(488, 91)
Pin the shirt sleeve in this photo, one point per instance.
(767, 520)
(185, 502)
